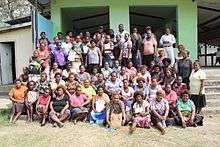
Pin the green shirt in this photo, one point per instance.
(185, 106)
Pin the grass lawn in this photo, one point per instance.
(24, 134)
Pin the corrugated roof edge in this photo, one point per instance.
(17, 26)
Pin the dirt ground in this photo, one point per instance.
(23, 134)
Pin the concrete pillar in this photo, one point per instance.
(187, 26)
(119, 14)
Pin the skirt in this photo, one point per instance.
(116, 120)
(199, 100)
(97, 117)
(143, 122)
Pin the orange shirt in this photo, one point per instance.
(149, 46)
(18, 95)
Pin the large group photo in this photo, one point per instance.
(111, 79)
(109, 73)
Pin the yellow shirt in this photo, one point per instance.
(90, 92)
(18, 94)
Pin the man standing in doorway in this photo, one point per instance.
(167, 41)
(121, 31)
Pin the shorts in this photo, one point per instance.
(17, 107)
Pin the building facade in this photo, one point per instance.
(118, 12)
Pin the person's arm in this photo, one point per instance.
(155, 47)
(108, 123)
(166, 112)
(123, 113)
(180, 114)
(161, 41)
(156, 114)
(93, 104)
(100, 57)
(66, 107)
(46, 108)
(201, 86)
(51, 107)
(193, 114)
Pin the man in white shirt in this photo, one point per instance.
(67, 45)
(167, 41)
(121, 31)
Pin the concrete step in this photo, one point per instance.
(213, 102)
(212, 89)
(212, 82)
(213, 95)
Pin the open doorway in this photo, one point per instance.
(83, 19)
(156, 17)
(7, 63)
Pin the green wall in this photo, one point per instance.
(119, 13)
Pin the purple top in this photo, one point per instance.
(59, 56)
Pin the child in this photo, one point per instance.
(31, 98)
(42, 105)
(141, 110)
(115, 116)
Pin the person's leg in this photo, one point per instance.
(55, 119)
(19, 110)
(198, 110)
(28, 112)
(12, 113)
(160, 127)
(65, 116)
(171, 55)
(133, 127)
(31, 113)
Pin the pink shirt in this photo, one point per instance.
(171, 98)
(132, 72)
(42, 100)
(77, 101)
(149, 46)
(180, 89)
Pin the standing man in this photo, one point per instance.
(150, 48)
(121, 31)
(167, 41)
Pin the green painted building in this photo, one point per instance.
(84, 15)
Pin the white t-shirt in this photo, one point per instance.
(167, 38)
(195, 81)
(140, 108)
(67, 47)
(128, 94)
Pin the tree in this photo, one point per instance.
(13, 9)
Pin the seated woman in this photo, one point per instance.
(43, 83)
(42, 105)
(115, 115)
(98, 113)
(141, 117)
(142, 87)
(160, 109)
(178, 86)
(31, 98)
(153, 88)
(66, 72)
(78, 103)
(186, 111)
(71, 81)
(127, 94)
(55, 69)
(17, 95)
(100, 81)
(88, 90)
(57, 81)
(169, 76)
(59, 105)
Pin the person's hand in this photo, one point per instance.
(123, 122)
(191, 121)
(81, 107)
(200, 92)
(62, 112)
(108, 124)
(183, 124)
(142, 114)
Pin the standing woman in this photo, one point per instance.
(185, 67)
(197, 78)
(108, 51)
(59, 106)
(17, 95)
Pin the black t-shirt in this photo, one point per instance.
(58, 105)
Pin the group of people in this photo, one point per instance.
(111, 79)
